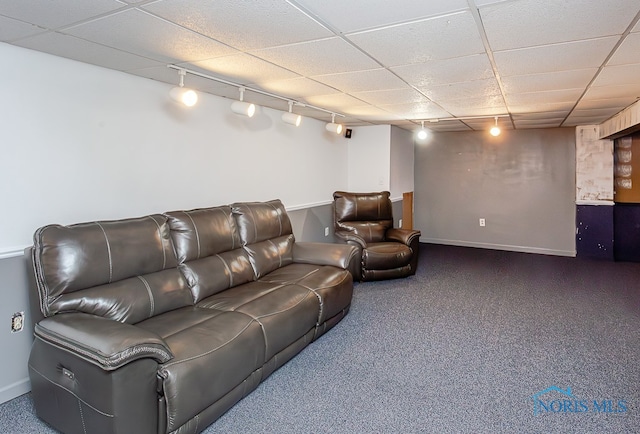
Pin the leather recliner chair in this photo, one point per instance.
(365, 220)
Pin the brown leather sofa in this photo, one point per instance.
(160, 324)
(365, 220)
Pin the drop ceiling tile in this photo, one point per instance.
(573, 79)
(360, 81)
(418, 110)
(440, 72)
(74, 48)
(628, 51)
(540, 107)
(551, 96)
(573, 121)
(334, 101)
(470, 89)
(389, 97)
(492, 105)
(631, 92)
(373, 114)
(299, 87)
(325, 56)
(130, 30)
(603, 113)
(245, 68)
(617, 103)
(546, 122)
(11, 29)
(551, 115)
(357, 15)
(616, 75)
(62, 12)
(554, 58)
(528, 23)
(539, 125)
(446, 37)
(245, 25)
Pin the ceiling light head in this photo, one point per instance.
(332, 127)
(290, 117)
(243, 108)
(422, 133)
(495, 130)
(183, 95)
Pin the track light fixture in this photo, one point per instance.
(422, 134)
(243, 108)
(332, 126)
(182, 94)
(290, 117)
(495, 130)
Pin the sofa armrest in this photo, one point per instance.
(103, 342)
(405, 236)
(338, 255)
(351, 238)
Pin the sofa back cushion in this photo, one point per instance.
(209, 250)
(369, 215)
(266, 234)
(123, 270)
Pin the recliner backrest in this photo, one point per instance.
(266, 234)
(209, 250)
(368, 215)
(124, 270)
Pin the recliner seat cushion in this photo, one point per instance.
(386, 256)
(214, 352)
(333, 288)
(285, 312)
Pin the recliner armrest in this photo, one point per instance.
(406, 236)
(351, 238)
(103, 342)
(338, 255)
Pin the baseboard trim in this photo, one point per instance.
(508, 247)
(14, 390)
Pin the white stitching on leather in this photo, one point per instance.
(226, 267)
(108, 251)
(71, 392)
(195, 229)
(164, 253)
(230, 221)
(127, 353)
(84, 428)
(151, 300)
(211, 350)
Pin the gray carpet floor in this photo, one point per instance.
(461, 347)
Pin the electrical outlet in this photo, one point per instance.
(482, 222)
(17, 322)
(326, 232)
(400, 223)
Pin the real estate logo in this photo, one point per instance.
(556, 400)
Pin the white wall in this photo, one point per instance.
(401, 162)
(521, 182)
(80, 142)
(369, 159)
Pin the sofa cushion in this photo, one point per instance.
(70, 259)
(209, 250)
(130, 300)
(266, 234)
(204, 232)
(285, 312)
(386, 256)
(334, 288)
(260, 221)
(213, 352)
